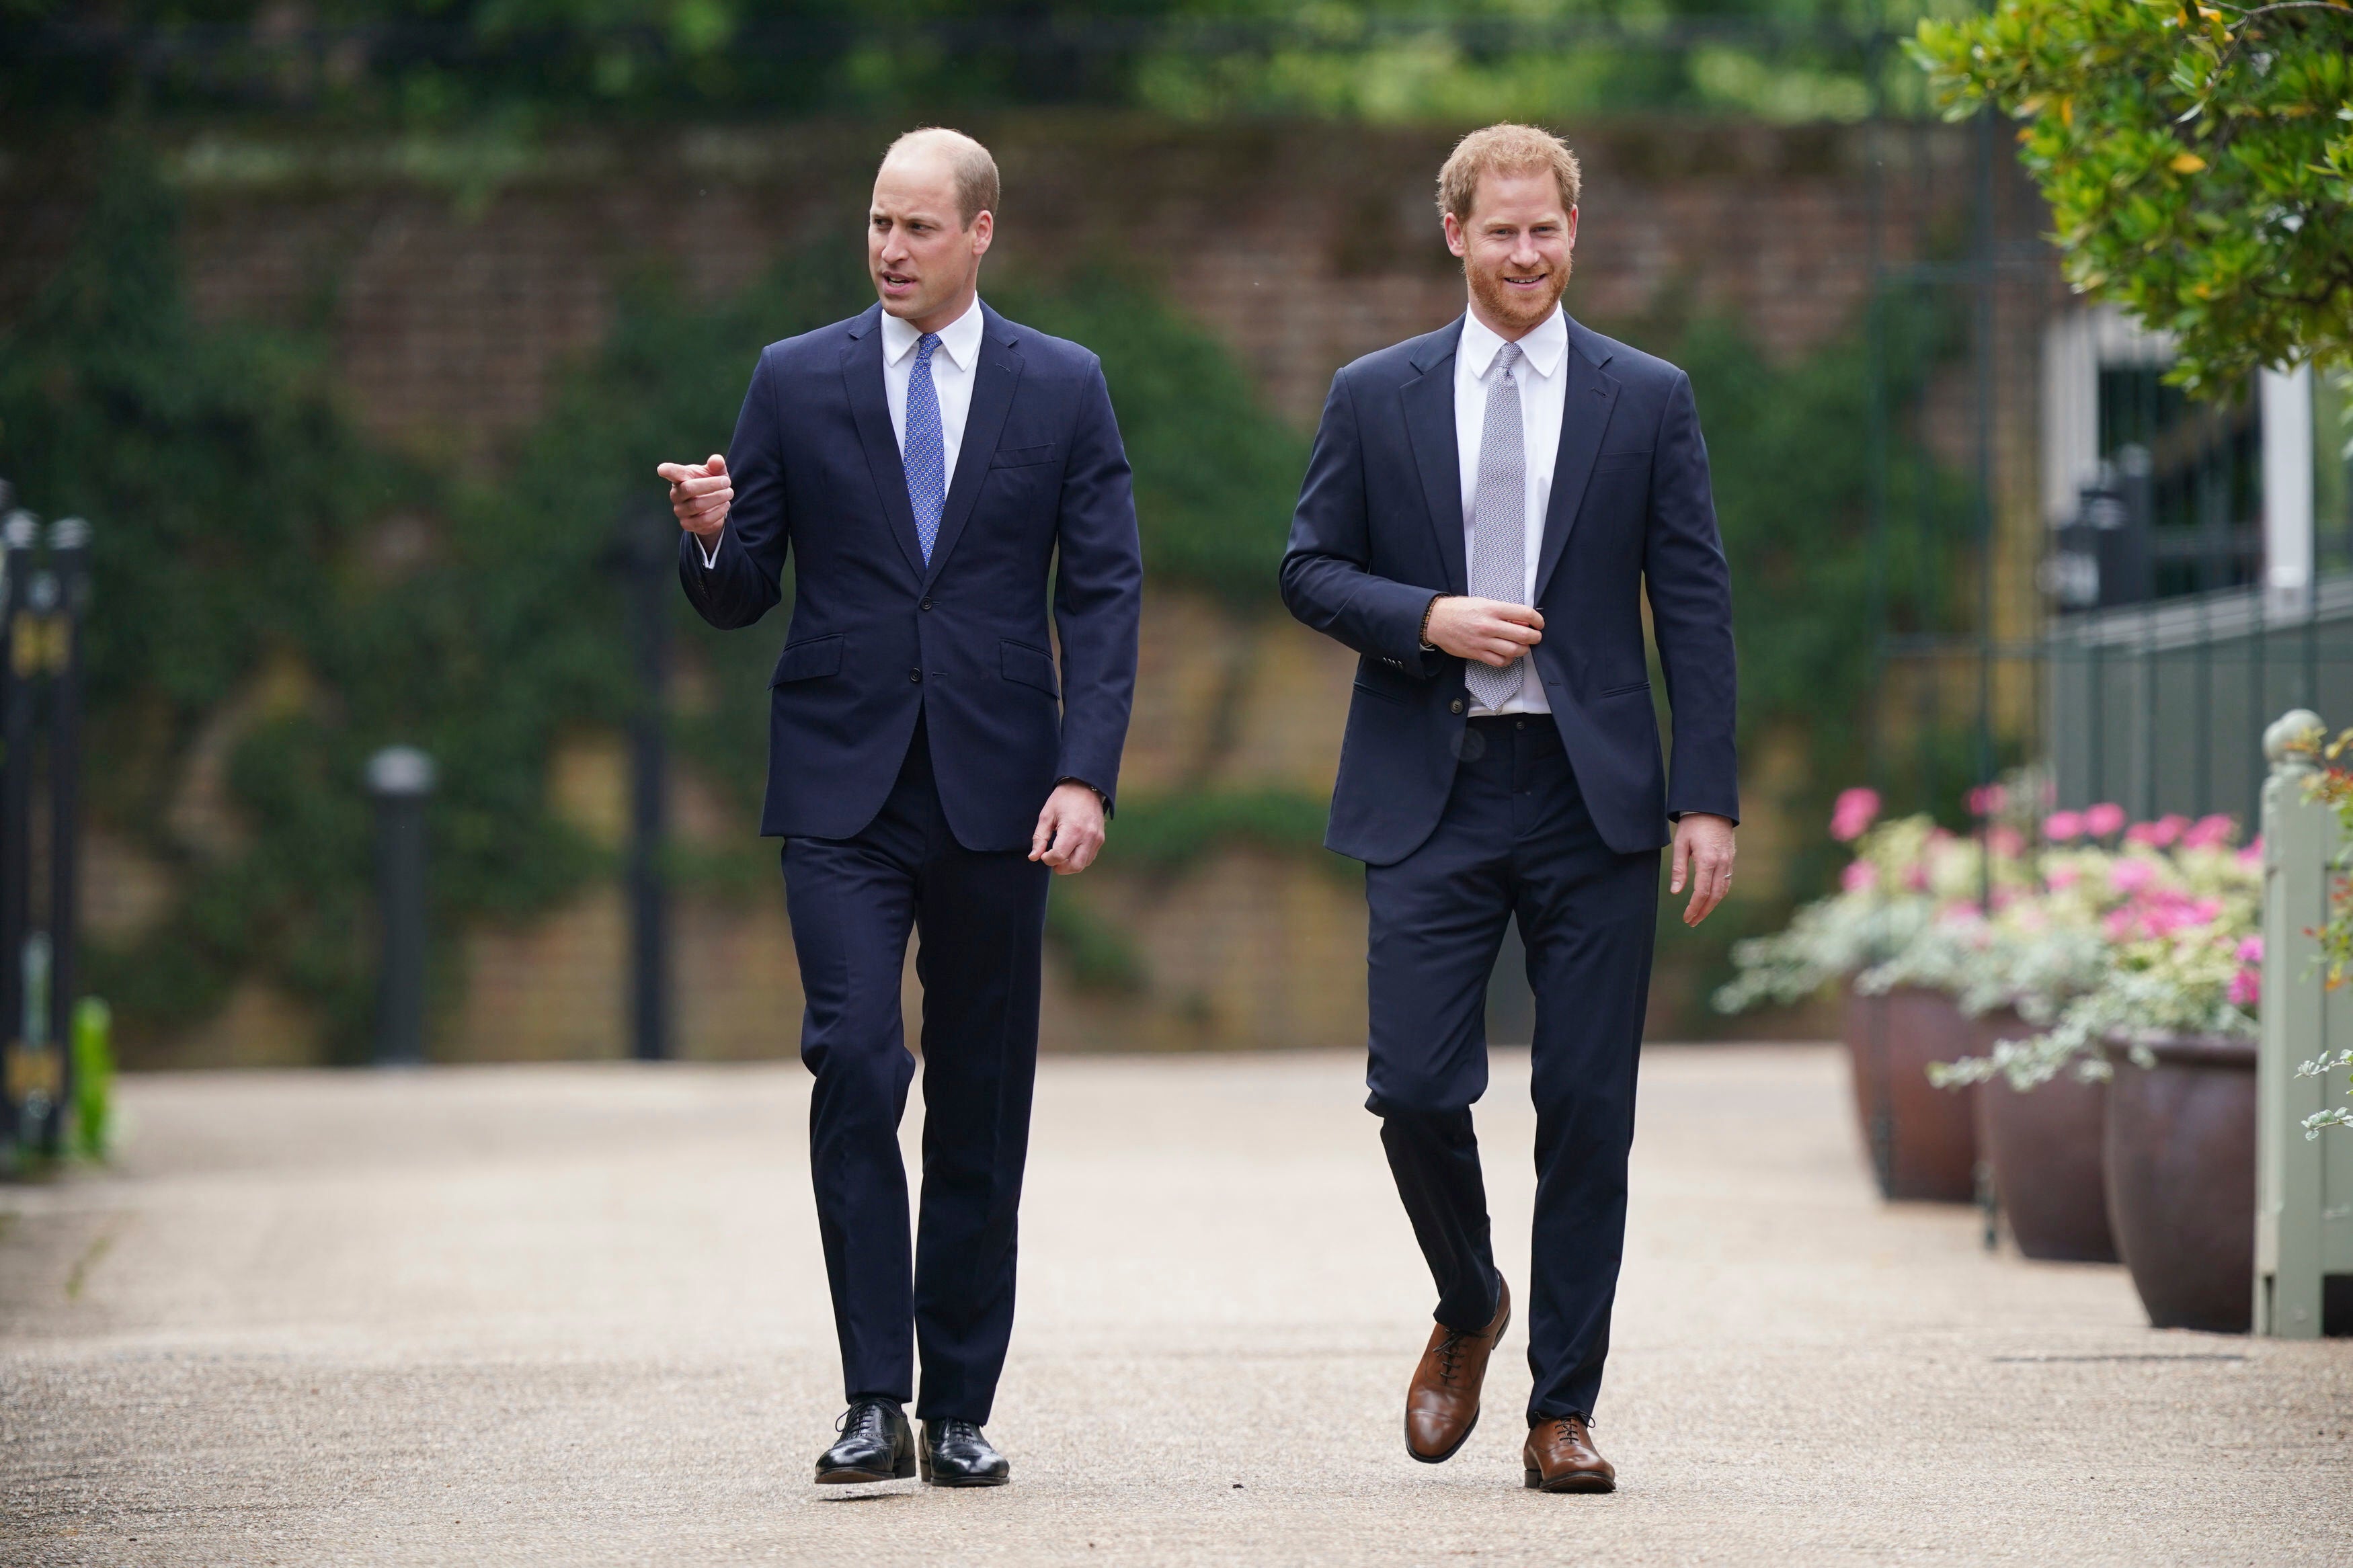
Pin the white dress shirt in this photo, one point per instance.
(1543, 399)
(954, 364)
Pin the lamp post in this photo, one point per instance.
(400, 778)
(69, 563)
(646, 554)
(28, 1085)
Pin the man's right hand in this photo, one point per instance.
(699, 493)
(1488, 630)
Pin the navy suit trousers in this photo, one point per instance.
(980, 917)
(1515, 840)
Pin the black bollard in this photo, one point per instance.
(69, 560)
(400, 778)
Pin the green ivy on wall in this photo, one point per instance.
(278, 596)
(255, 555)
(258, 558)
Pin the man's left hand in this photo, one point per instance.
(1070, 830)
(1703, 848)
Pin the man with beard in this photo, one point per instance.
(1484, 512)
(940, 476)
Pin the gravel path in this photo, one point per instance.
(575, 1314)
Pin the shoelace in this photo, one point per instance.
(958, 1432)
(1564, 1431)
(1450, 1352)
(866, 1416)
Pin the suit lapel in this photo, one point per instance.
(1584, 418)
(994, 379)
(1429, 401)
(862, 377)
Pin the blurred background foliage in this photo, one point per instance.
(249, 527)
(422, 62)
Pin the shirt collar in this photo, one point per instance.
(1543, 349)
(959, 340)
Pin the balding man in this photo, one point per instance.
(939, 475)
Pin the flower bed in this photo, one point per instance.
(2072, 939)
(2089, 926)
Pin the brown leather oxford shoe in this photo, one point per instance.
(1441, 1406)
(1561, 1458)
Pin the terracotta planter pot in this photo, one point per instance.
(1920, 1140)
(2180, 1159)
(2044, 1147)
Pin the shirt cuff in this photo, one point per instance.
(711, 550)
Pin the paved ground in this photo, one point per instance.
(575, 1315)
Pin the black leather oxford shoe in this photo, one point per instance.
(955, 1453)
(876, 1444)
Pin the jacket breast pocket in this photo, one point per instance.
(1029, 666)
(811, 658)
(1022, 456)
(1609, 462)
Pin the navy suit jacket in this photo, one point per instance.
(878, 637)
(1378, 533)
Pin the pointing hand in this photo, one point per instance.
(700, 494)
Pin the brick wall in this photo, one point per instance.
(458, 280)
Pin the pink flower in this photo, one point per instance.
(2102, 819)
(2247, 988)
(2006, 842)
(1987, 800)
(1916, 878)
(2207, 831)
(2129, 876)
(2062, 826)
(2250, 950)
(2063, 877)
(1860, 877)
(2253, 855)
(1852, 814)
(2158, 834)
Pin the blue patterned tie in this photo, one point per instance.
(926, 453)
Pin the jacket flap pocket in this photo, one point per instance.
(1022, 456)
(809, 659)
(1377, 677)
(1622, 460)
(1029, 666)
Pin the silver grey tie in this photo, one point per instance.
(1499, 521)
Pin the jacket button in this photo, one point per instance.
(918, 675)
(925, 605)
(1455, 706)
